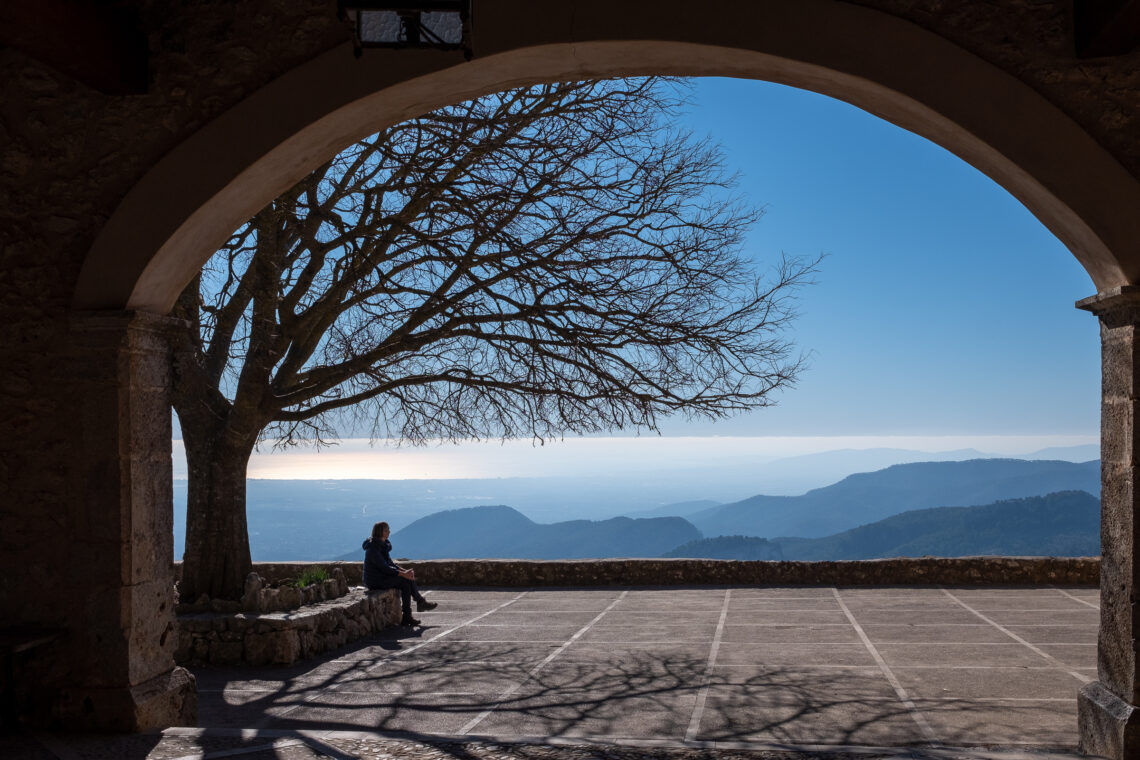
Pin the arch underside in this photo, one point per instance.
(183, 209)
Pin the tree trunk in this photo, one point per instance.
(217, 558)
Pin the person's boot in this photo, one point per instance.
(423, 605)
(408, 620)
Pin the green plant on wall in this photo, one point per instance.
(312, 575)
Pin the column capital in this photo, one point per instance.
(1119, 299)
(100, 321)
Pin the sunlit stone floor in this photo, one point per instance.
(878, 666)
(737, 668)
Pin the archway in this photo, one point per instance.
(174, 219)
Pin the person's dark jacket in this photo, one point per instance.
(378, 561)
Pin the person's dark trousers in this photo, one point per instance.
(408, 591)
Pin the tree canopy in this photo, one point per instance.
(551, 259)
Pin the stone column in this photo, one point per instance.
(1107, 708)
(116, 591)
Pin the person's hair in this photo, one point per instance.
(378, 529)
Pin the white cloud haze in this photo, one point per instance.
(596, 457)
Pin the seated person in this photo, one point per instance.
(381, 572)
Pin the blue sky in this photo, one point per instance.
(943, 308)
(942, 319)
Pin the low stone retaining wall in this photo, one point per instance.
(282, 638)
(956, 571)
(258, 597)
(966, 571)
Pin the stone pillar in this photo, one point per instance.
(115, 594)
(1107, 708)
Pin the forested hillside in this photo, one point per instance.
(871, 496)
(729, 547)
(1064, 524)
(504, 532)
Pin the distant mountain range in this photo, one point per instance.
(729, 547)
(792, 475)
(678, 509)
(1063, 524)
(318, 519)
(504, 532)
(1083, 453)
(871, 496)
(1002, 506)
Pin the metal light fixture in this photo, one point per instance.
(439, 24)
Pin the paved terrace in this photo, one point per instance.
(671, 671)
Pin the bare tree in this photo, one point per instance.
(552, 259)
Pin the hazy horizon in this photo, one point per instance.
(357, 459)
(324, 518)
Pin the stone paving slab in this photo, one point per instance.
(776, 604)
(1011, 722)
(713, 669)
(561, 605)
(735, 653)
(1055, 634)
(536, 634)
(832, 615)
(1085, 617)
(767, 718)
(906, 603)
(745, 593)
(918, 633)
(636, 712)
(698, 633)
(985, 682)
(999, 654)
(790, 634)
(1042, 603)
(423, 713)
(1074, 655)
(946, 615)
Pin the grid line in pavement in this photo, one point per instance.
(702, 696)
(533, 671)
(1036, 650)
(1076, 598)
(909, 704)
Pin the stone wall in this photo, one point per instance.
(966, 571)
(282, 638)
(265, 595)
(956, 571)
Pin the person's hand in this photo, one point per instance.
(409, 574)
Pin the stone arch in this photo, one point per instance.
(169, 224)
(116, 376)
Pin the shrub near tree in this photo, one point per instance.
(558, 258)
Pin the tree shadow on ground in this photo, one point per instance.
(495, 689)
